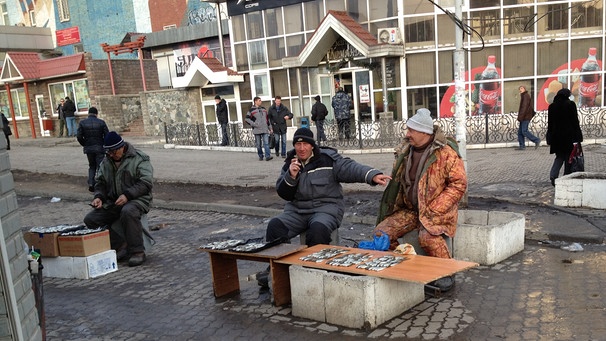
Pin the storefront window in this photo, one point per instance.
(419, 29)
(422, 98)
(238, 32)
(261, 85)
(241, 57)
(445, 66)
(551, 55)
(380, 9)
(513, 55)
(76, 90)
(586, 15)
(254, 23)
(313, 14)
(258, 58)
(446, 31)
(335, 5)
(82, 99)
(294, 21)
(273, 22)
(357, 10)
(518, 22)
(276, 51)
(294, 85)
(421, 69)
(245, 89)
(418, 7)
(294, 45)
(487, 24)
(279, 83)
(19, 103)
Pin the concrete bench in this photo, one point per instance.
(484, 237)
(581, 189)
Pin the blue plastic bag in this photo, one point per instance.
(379, 243)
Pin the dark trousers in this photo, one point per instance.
(8, 141)
(225, 135)
(130, 218)
(61, 127)
(344, 129)
(94, 160)
(320, 135)
(560, 159)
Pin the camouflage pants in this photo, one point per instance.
(403, 222)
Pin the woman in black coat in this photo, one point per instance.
(563, 130)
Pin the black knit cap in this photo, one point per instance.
(112, 141)
(304, 135)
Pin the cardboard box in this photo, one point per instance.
(81, 267)
(47, 243)
(84, 245)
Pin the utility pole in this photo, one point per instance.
(459, 74)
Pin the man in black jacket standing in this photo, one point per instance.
(222, 118)
(318, 114)
(278, 115)
(91, 132)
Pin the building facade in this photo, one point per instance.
(300, 49)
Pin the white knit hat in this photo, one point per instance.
(421, 121)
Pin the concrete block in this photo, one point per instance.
(307, 292)
(581, 189)
(349, 300)
(501, 237)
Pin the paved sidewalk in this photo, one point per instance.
(543, 292)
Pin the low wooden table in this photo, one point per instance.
(418, 269)
(224, 270)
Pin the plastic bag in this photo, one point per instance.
(379, 243)
(576, 159)
(272, 141)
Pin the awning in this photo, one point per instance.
(203, 71)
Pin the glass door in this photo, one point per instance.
(46, 124)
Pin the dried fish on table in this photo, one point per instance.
(323, 254)
(223, 245)
(381, 263)
(349, 259)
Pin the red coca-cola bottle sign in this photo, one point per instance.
(590, 80)
(489, 91)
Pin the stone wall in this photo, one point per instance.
(170, 106)
(15, 281)
(118, 111)
(127, 76)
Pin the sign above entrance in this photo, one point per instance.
(237, 7)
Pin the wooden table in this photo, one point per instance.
(419, 269)
(224, 270)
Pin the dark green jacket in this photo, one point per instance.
(134, 178)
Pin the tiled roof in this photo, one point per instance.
(354, 27)
(29, 66)
(203, 71)
(215, 65)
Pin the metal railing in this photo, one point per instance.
(388, 133)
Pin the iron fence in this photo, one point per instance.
(388, 133)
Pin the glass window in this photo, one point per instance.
(279, 82)
(314, 75)
(19, 103)
(357, 10)
(81, 98)
(586, 15)
(254, 23)
(380, 9)
(210, 115)
(513, 55)
(551, 56)
(226, 92)
(483, 3)
(422, 98)
(417, 7)
(245, 89)
(313, 14)
(518, 22)
(419, 29)
(579, 48)
(421, 69)
(486, 23)
(294, 85)
(276, 51)
(445, 66)
(261, 85)
(238, 32)
(241, 57)
(394, 103)
(294, 21)
(273, 22)
(335, 5)
(294, 45)
(233, 111)
(480, 59)
(4, 15)
(304, 82)
(63, 9)
(446, 31)
(258, 58)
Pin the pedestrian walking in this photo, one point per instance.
(61, 115)
(91, 133)
(6, 128)
(525, 114)
(258, 119)
(318, 115)
(69, 111)
(123, 191)
(279, 115)
(563, 130)
(341, 102)
(222, 118)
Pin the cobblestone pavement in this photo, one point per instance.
(541, 293)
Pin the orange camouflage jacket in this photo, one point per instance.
(442, 184)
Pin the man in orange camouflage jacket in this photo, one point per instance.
(428, 180)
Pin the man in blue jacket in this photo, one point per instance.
(310, 181)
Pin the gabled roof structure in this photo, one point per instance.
(27, 66)
(339, 24)
(203, 71)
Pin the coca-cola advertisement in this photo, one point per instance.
(584, 82)
(485, 97)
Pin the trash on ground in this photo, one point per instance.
(574, 247)
(55, 199)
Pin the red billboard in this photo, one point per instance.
(68, 36)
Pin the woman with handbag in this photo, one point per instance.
(563, 130)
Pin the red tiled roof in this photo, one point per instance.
(31, 67)
(354, 27)
(215, 65)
